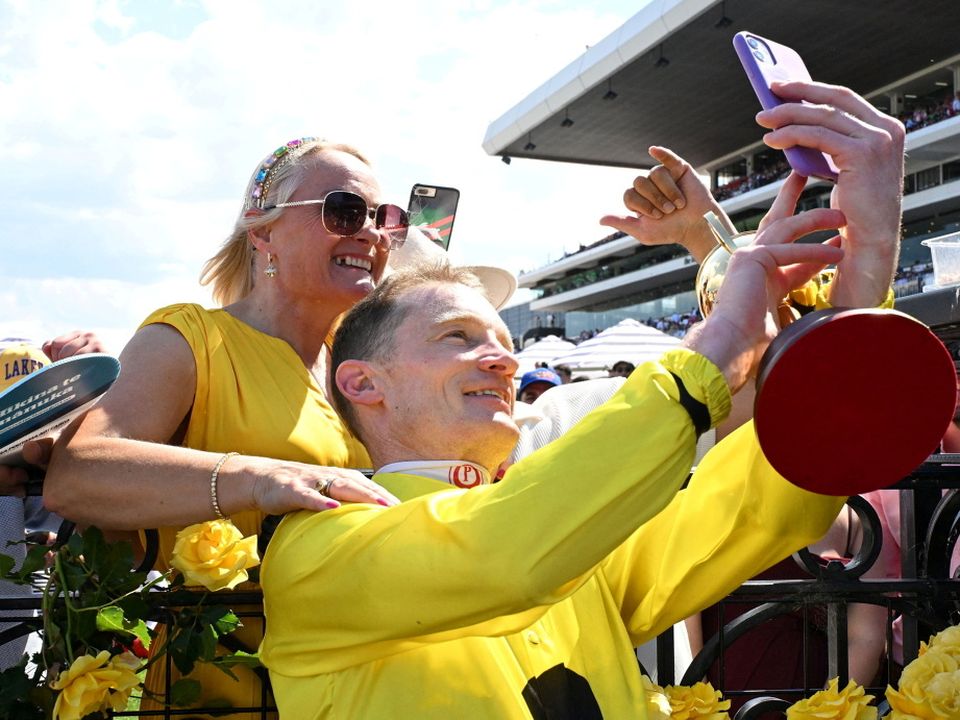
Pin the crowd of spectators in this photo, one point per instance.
(675, 324)
(913, 119)
(924, 115)
(911, 279)
(738, 186)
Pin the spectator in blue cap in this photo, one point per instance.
(536, 382)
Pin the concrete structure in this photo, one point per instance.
(669, 76)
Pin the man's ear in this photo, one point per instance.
(358, 382)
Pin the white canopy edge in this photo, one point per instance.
(642, 32)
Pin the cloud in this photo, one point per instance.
(131, 130)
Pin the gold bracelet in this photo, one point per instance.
(214, 503)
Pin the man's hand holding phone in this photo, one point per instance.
(867, 148)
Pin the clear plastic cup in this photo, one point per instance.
(945, 251)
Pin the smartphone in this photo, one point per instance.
(434, 208)
(766, 61)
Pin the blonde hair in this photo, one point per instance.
(230, 271)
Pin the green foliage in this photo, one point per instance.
(185, 692)
(96, 600)
(15, 690)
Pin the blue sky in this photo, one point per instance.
(130, 129)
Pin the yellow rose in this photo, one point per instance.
(699, 702)
(658, 707)
(851, 703)
(214, 554)
(929, 687)
(92, 684)
(947, 641)
(943, 694)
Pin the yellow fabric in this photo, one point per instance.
(254, 396)
(822, 290)
(450, 603)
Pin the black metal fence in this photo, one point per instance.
(927, 599)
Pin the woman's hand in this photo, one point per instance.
(73, 343)
(285, 486)
(13, 480)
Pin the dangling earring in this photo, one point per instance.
(270, 270)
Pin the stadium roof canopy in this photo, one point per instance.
(697, 99)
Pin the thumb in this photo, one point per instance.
(674, 164)
(620, 222)
(37, 452)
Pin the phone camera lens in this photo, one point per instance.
(760, 56)
(753, 42)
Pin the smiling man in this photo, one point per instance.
(525, 598)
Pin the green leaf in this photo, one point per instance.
(226, 671)
(184, 692)
(227, 624)
(36, 560)
(208, 643)
(15, 688)
(141, 630)
(84, 627)
(184, 649)
(134, 606)
(6, 565)
(111, 619)
(74, 546)
(239, 658)
(76, 574)
(94, 546)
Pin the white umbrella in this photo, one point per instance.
(627, 340)
(544, 350)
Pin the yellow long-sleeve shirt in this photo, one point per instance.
(527, 597)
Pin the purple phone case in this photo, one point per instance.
(787, 66)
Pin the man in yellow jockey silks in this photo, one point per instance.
(525, 598)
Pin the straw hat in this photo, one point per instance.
(498, 284)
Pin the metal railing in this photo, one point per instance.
(927, 599)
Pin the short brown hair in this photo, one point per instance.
(368, 330)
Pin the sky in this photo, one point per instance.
(129, 131)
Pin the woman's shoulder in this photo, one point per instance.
(184, 315)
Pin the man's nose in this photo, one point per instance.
(499, 359)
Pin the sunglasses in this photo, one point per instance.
(345, 213)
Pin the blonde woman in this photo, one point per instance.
(225, 412)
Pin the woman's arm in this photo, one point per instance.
(113, 468)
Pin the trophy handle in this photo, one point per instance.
(722, 231)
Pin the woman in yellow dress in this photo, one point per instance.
(225, 412)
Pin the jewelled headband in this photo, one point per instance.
(260, 182)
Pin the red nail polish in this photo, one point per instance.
(381, 501)
(331, 504)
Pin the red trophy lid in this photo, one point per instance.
(850, 401)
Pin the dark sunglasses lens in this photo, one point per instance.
(344, 212)
(394, 220)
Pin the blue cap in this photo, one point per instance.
(540, 375)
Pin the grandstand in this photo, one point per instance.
(669, 76)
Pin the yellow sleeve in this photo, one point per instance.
(821, 297)
(737, 517)
(363, 581)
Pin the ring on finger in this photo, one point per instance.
(323, 486)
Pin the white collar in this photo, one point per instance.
(459, 473)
